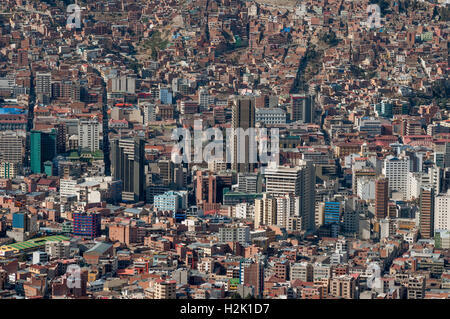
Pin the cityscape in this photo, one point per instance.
(224, 149)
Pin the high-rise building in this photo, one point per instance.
(265, 211)
(43, 148)
(127, 158)
(287, 206)
(442, 212)
(149, 112)
(249, 183)
(332, 213)
(252, 273)
(381, 198)
(243, 117)
(89, 135)
(427, 212)
(396, 170)
(86, 224)
(166, 170)
(43, 83)
(298, 181)
(12, 146)
(302, 108)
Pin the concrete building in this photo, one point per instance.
(396, 170)
(302, 108)
(442, 212)
(89, 135)
(243, 118)
(128, 165)
(298, 181)
(234, 234)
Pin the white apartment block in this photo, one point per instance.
(442, 212)
(396, 170)
(89, 135)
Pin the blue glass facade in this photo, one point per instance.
(332, 213)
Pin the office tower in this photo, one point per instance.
(332, 213)
(243, 117)
(252, 273)
(12, 147)
(25, 221)
(298, 181)
(442, 212)
(89, 135)
(396, 170)
(86, 224)
(350, 222)
(203, 98)
(446, 180)
(165, 95)
(127, 157)
(381, 198)
(61, 135)
(43, 83)
(166, 170)
(427, 212)
(205, 188)
(447, 155)
(249, 183)
(43, 148)
(265, 211)
(12, 152)
(302, 108)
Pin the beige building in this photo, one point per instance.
(165, 289)
(265, 211)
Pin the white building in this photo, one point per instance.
(244, 211)
(442, 212)
(396, 170)
(270, 116)
(149, 113)
(287, 206)
(297, 181)
(366, 188)
(39, 257)
(89, 135)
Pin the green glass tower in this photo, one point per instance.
(43, 148)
